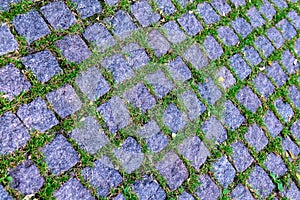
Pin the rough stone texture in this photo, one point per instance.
(241, 193)
(267, 10)
(238, 3)
(241, 26)
(173, 170)
(158, 43)
(136, 56)
(207, 13)
(13, 134)
(284, 109)
(225, 78)
(289, 145)
(292, 192)
(290, 62)
(73, 189)
(255, 18)
(227, 35)
(60, 155)
(26, 178)
(147, 188)
(207, 189)
(174, 119)
(112, 2)
(130, 155)
(31, 26)
(256, 137)
(43, 64)
(240, 66)
(5, 6)
(195, 56)
(297, 47)
(92, 83)
(232, 116)
(115, 114)
(103, 176)
(166, 6)
(275, 164)
(194, 150)
(272, 123)
(89, 135)
(184, 3)
(277, 74)
(35, 115)
(275, 36)
(250, 100)
(179, 70)
(64, 101)
(295, 129)
(185, 196)
(194, 107)
(264, 46)
(241, 157)
(295, 19)
(160, 83)
(190, 24)
(173, 32)
(260, 182)
(221, 6)
(7, 40)
(287, 29)
(212, 48)
(143, 12)
(119, 196)
(263, 85)
(280, 3)
(223, 171)
(87, 8)
(209, 91)
(3, 193)
(214, 131)
(140, 97)
(58, 15)
(251, 55)
(73, 48)
(294, 95)
(12, 82)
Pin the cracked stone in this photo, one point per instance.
(195, 56)
(224, 171)
(263, 85)
(143, 12)
(284, 109)
(241, 157)
(190, 24)
(7, 40)
(214, 131)
(158, 43)
(272, 123)
(275, 164)
(208, 190)
(174, 119)
(209, 91)
(192, 104)
(240, 66)
(87, 8)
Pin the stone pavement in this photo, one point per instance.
(158, 99)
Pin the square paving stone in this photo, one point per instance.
(251, 55)
(173, 32)
(256, 19)
(214, 130)
(166, 6)
(232, 116)
(289, 146)
(36, 115)
(207, 13)
(241, 26)
(119, 196)
(256, 137)
(87, 8)
(286, 28)
(295, 19)
(263, 85)
(185, 196)
(147, 188)
(294, 95)
(174, 119)
(3, 193)
(297, 47)
(99, 36)
(119, 67)
(267, 10)
(241, 157)
(115, 114)
(276, 73)
(295, 129)
(89, 135)
(140, 97)
(190, 24)
(103, 176)
(12, 82)
(238, 3)
(221, 6)
(223, 171)
(143, 12)
(275, 164)
(136, 56)
(162, 86)
(272, 123)
(284, 109)
(26, 178)
(43, 64)
(264, 46)
(92, 83)
(275, 36)
(111, 2)
(73, 189)
(158, 43)
(280, 3)
(194, 107)
(59, 154)
(13, 134)
(196, 57)
(209, 91)
(240, 66)
(227, 35)
(240, 192)
(58, 15)
(173, 170)
(179, 70)
(292, 192)
(7, 40)
(212, 48)
(130, 155)
(194, 150)
(207, 190)
(64, 101)
(225, 78)
(184, 3)
(290, 62)
(260, 182)
(31, 26)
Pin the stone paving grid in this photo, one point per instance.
(48, 112)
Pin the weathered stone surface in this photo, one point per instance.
(297, 47)
(255, 18)
(280, 3)
(221, 6)
(3, 193)
(284, 109)
(136, 56)
(190, 24)
(195, 56)
(295, 129)
(227, 35)
(292, 192)
(256, 137)
(166, 6)
(192, 104)
(275, 164)
(294, 95)
(214, 131)
(119, 196)
(173, 32)
(158, 43)
(241, 157)
(295, 19)
(179, 70)
(212, 48)
(267, 10)
(238, 3)
(87, 8)
(112, 2)
(287, 29)
(250, 100)
(251, 55)
(185, 196)
(290, 62)
(209, 91)
(7, 40)
(241, 26)
(241, 193)
(277, 74)
(263, 85)
(240, 66)
(264, 46)
(232, 116)
(223, 171)
(273, 124)
(160, 83)
(275, 36)
(143, 12)
(225, 78)
(207, 13)
(174, 119)
(289, 145)
(208, 189)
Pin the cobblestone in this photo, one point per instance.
(295, 19)
(173, 32)
(280, 3)
(166, 6)
(252, 55)
(292, 192)
(242, 27)
(287, 29)
(190, 24)
(227, 35)
(209, 91)
(7, 40)
(212, 48)
(248, 99)
(143, 12)
(256, 137)
(275, 36)
(263, 85)
(267, 10)
(276, 73)
(284, 109)
(223, 171)
(87, 8)
(136, 55)
(255, 18)
(221, 6)
(207, 13)
(275, 164)
(289, 145)
(194, 107)
(241, 157)
(241, 193)
(195, 56)
(295, 129)
(240, 66)
(273, 124)
(232, 116)
(208, 189)
(225, 78)
(179, 70)
(4, 194)
(174, 119)
(185, 196)
(290, 62)
(158, 43)
(264, 46)
(294, 95)
(214, 131)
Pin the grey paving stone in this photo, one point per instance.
(207, 190)
(286, 28)
(214, 131)
(240, 66)
(3, 193)
(240, 192)
(207, 13)
(284, 109)
(73, 48)
(7, 40)
(251, 55)
(194, 150)
(264, 46)
(119, 67)
(277, 74)
(111, 2)
(185, 196)
(173, 170)
(227, 35)
(260, 182)
(272, 123)
(147, 188)
(26, 178)
(60, 156)
(103, 176)
(58, 15)
(237, 3)
(136, 56)
(195, 56)
(292, 192)
(92, 83)
(13, 133)
(209, 91)
(120, 197)
(73, 189)
(12, 82)
(143, 12)
(194, 107)
(232, 116)
(289, 145)
(221, 6)
(290, 62)
(295, 129)
(275, 36)
(295, 19)
(250, 100)
(115, 114)
(158, 43)
(256, 137)
(241, 157)
(263, 85)
(140, 97)
(43, 64)
(267, 10)
(190, 24)
(130, 155)
(184, 3)
(280, 3)
(241, 26)
(36, 115)
(173, 32)
(87, 8)
(225, 78)
(223, 171)
(297, 47)
(64, 101)
(89, 135)
(166, 6)
(275, 164)
(212, 48)
(179, 70)
(174, 119)
(31, 26)
(294, 95)
(256, 19)
(162, 86)
(99, 36)
(5, 5)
